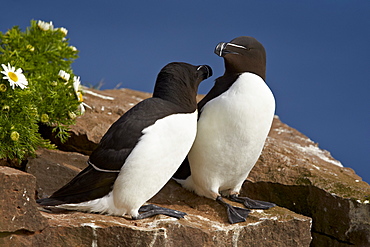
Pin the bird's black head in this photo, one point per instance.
(178, 82)
(243, 54)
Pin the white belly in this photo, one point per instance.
(154, 160)
(148, 168)
(231, 133)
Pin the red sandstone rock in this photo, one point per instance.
(275, 228)
(18, 210)
(53, 169)
(205, 225)
(295, 173)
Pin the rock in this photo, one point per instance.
(53, 169)
(277, 227)
(205, 225)
(17, 202)
(78, 229)
(294, 173)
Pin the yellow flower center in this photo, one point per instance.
(13, 76)
(6, 108)
(44, 118)
(30, 47)
(14, 136)
(80, 97)
(2, 87)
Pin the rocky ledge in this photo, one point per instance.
(320, 202)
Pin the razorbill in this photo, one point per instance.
(140, 151)
(234, 120)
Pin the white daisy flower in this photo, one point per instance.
(81, 108)
(64, 75)
(76, 87)
(63, 30)
(73, 48)
(15, 77)
(72, 115)
(45, 25)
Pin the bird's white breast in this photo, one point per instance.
(231, 133)
(154, 160)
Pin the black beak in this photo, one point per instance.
(207, 71)
(220, 48)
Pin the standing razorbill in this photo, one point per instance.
(234, 120)
(140, 151)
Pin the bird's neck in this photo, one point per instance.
(183, 97)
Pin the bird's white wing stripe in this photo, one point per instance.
(99, 169)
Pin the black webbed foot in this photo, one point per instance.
(151, 210)
(252, 204)
(234, 214)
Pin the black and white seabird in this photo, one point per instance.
(140, 151)
(234, 120)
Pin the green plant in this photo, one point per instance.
(37, 87)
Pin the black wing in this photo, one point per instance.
(222, 84)
(111, 153)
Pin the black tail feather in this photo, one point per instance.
(49, 202)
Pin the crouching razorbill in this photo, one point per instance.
(140, 151)
(234, 120)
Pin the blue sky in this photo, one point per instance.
(318, 54)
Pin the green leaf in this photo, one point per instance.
(48, 98)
